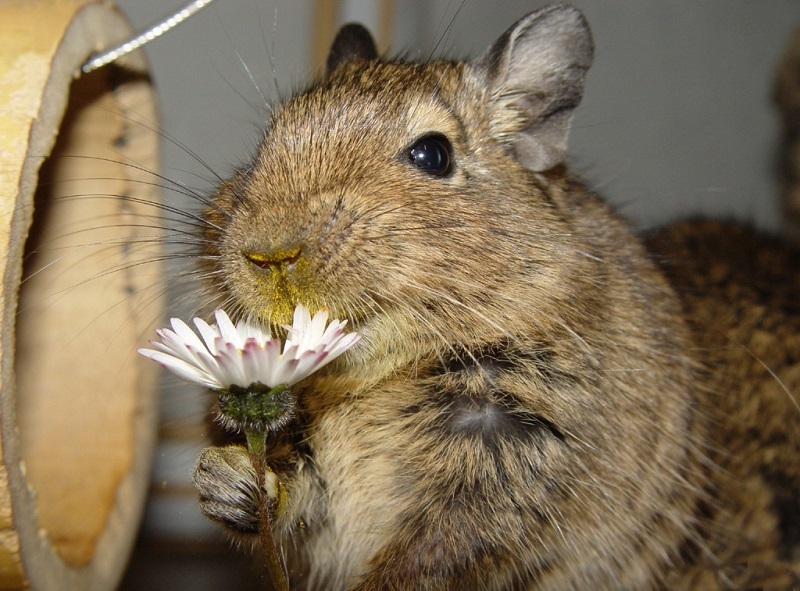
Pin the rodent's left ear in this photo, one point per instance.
(353, 42)
(535, 74)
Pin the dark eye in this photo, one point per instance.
(432, 154)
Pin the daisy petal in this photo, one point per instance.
(186, 334)
(225, 354)
(210, 334)
(227, 329)
(181, 368)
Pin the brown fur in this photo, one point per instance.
(531, 406)
(739, 292)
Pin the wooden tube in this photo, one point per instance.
(78, 154)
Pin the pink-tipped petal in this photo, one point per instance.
(209, 333)
(231, 368)
(309, 362)
(317, 328)
(343, 344)
(226, 354)
(181, 368)
(175, 345)
(252, 331)
(227, 329)
(334, 330)
(186, 334)
(284, 373)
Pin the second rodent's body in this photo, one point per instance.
(532, 405)
(739, 294)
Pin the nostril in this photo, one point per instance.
(258, 261)
(284, 257)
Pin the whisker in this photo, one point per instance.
(774, 376)
(182, 213)
(446, 33)
(421, 317)
(244, 66)
(169, 188)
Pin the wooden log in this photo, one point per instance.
(77, 406)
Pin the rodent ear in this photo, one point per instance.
(535, 74)
(353, 42)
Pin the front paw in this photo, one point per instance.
(228, 487)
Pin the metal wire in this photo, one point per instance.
(146, 36)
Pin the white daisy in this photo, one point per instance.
(245, 354)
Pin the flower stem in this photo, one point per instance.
(256, 443)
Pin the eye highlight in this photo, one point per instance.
(432, 154)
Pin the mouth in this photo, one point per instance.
(275, 307)
(267, 284)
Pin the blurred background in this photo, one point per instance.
(677, 120)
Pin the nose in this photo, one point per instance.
(283, 258)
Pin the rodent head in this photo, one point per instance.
(408, 197)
